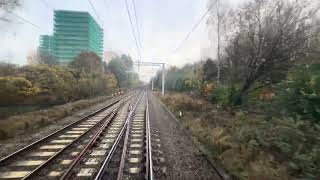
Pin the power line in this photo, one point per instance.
(95, 11)
(137, 22)
(107, 4)
(195, 27)
(132, 29)
(23, 19)
(47, 4)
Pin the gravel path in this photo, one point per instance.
(182, 158)
(13, 144)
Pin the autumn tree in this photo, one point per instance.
(269, 38)
(216, 22)
(47, 58)
(16, 89)
(187, 78)
(209, 70)
(122, 68)
(7, 69)
(87, 62)
(93, 76)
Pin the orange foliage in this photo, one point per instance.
(208, 88)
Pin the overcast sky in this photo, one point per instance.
(163, 25)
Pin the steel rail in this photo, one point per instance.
(125, 146)
(149, 166)
(100, 174)
(124, 151)
(110, 154)
(68, 173)
(34, 171)
(8, 157)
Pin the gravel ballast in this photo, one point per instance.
(182, 158)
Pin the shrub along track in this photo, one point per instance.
(31, 160)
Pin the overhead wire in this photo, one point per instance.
(95, 11)
(132, 29)
(23, 19)
(194, 27)
(47, 4)
(106, 7)
(138, 30)
(137, 22)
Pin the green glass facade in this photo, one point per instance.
(75, 32)
(46, 44)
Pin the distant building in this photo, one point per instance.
(46, 44)
(74, 32)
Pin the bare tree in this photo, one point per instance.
(5, 6)
(218, 11)
(271, 37)
(32, 58)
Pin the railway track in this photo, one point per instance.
(132, 159)
(111, 143)
(121, 151)
(115, 142)
(35, 158)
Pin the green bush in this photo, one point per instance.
(250, 147)
(223, 95)
(43, 84)
(15, 89)
(299, 95)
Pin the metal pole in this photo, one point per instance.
(152, 84)
(163, 79)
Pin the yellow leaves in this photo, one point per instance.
(233, 160)
(265, 168)
(209, 87)
(246, 165)
(111, 81)
(312, 82)
(13, 89)
(17, 86)
(219, 137)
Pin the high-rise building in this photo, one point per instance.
(46, 44)
(73, 33)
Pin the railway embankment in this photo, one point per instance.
(20, 130)
(249, 145)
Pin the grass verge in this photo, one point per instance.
(14, 125)
(248, 145)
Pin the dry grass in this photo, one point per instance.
(219, 133)
(31, 121)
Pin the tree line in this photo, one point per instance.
(47, 82)
(270, 51)
(265, 88)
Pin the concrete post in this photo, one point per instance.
(152, 84)
(163, 83)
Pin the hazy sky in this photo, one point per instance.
(163, 25)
